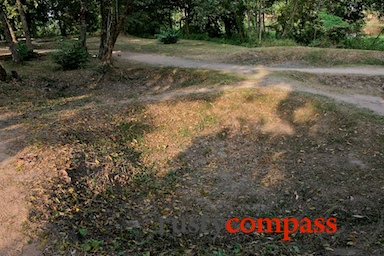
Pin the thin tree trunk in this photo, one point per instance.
(25, 26)
(8, 36)
(3, 73)
(104, 27)
(260, 21)
(317, 10)
(263, 18)
(62, 25)
(249, 29)
(83, 22)
(291, 20)
(116, 25)
(170, 21)
(10, 28)
(186, 14)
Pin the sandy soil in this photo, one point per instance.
(14, 187)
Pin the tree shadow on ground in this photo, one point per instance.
(249, 155)
(306, 161)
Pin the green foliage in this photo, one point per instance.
(331, 21)
(334, 27)
(234, 40)
(22, 50)
(72, 55)
(271, 40)
(148, 18)
(169, 36)
(50, 29)
(364, 43)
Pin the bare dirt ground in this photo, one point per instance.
(373, 102)
(14, 188)
(179, 62)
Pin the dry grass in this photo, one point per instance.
(114, 169)
(268, 56)
(257, 153)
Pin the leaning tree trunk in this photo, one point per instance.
(25, 26)
(8, 36)
(83, 22)
(9, 25)
(113, 26)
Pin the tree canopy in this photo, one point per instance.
(315, 22)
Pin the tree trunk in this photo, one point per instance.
(8, 36)
(9, 26)
(249, 29)
(3, 73)
(114, 25)
(63, 28)
(186, 14)
(227, 26)
(104, 27)
(61, 23)
(83, 22)
(25, 26)
(291, 20)
(260, 27)
(261, 21)
(170, 20)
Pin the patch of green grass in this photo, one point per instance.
(185, 132)
(206, 121)
(252, 95)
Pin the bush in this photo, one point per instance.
(169, 36)
(72, 55)
(364, 43)
(22, 50)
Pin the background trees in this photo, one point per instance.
(252, 21)
(314, 22)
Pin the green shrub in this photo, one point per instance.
(169, 36)
(334, 27)
(364, 43)
(72, 55)
(193, 36)
(22, 50)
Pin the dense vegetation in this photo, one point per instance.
(243, 22)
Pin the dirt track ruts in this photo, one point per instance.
(161, 60)
(373, 103)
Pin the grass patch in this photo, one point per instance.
(269, 56)
(45, 86)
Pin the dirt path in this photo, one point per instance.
(374, 103)
(13, 191)
(161, 60)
